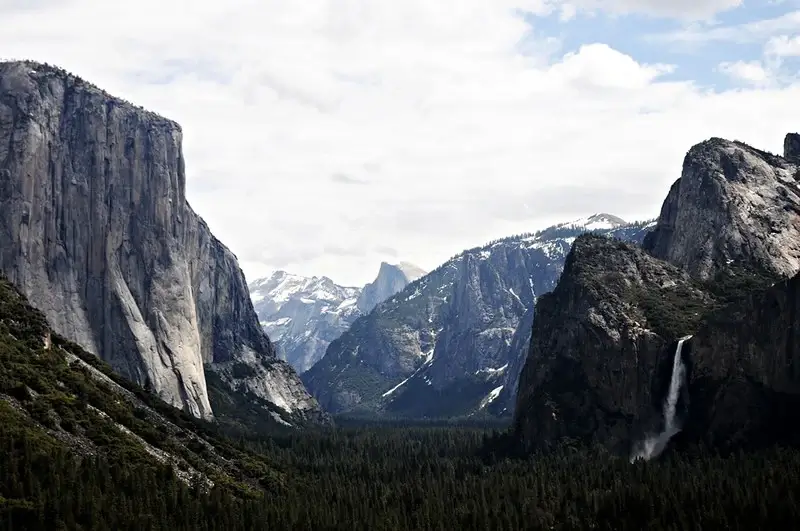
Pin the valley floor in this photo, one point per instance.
(389, 478)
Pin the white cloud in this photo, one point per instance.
(748, 32)
(748, 71)
(771, 69)
(783, 46)
(601, 66)
(567, 12)
(322, 136)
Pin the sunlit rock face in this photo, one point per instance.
(96, 231)
(733, 205)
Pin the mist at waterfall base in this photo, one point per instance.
(653, 445)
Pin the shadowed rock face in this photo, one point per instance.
(518, 350)
(96, 232)
(600, 343)
(791, 148)
(744, 386)
(733, 205)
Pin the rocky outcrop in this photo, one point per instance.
(602, 346)
(303, 315)
(391, 279)
(442, 347)
(96, 231)
(791, 148)
(732, 205)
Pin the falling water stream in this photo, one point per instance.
(653, 445)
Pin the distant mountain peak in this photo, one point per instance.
(600, 221)
(391, 279)
(302, 315)
(409, 270)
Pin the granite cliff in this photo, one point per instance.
(520, 341)
(604, 341)
(96, 232)
(733, 204)
(391, 279)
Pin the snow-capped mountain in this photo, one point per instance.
(302, 315)
(596, 222)
(453, 342)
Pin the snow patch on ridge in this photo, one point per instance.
(428, 360)
(491, 397)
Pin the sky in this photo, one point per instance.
(325, 136)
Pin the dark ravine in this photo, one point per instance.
(96, 231)
(604, 340)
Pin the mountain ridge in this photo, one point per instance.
(440, 347)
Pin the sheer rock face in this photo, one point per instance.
(732, 205)
(599, 358)
(96, 232)
(391, 279)
(744, 384)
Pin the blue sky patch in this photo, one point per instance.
(649, 39)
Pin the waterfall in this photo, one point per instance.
(653, 445)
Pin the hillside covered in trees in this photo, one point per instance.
(84, 449)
